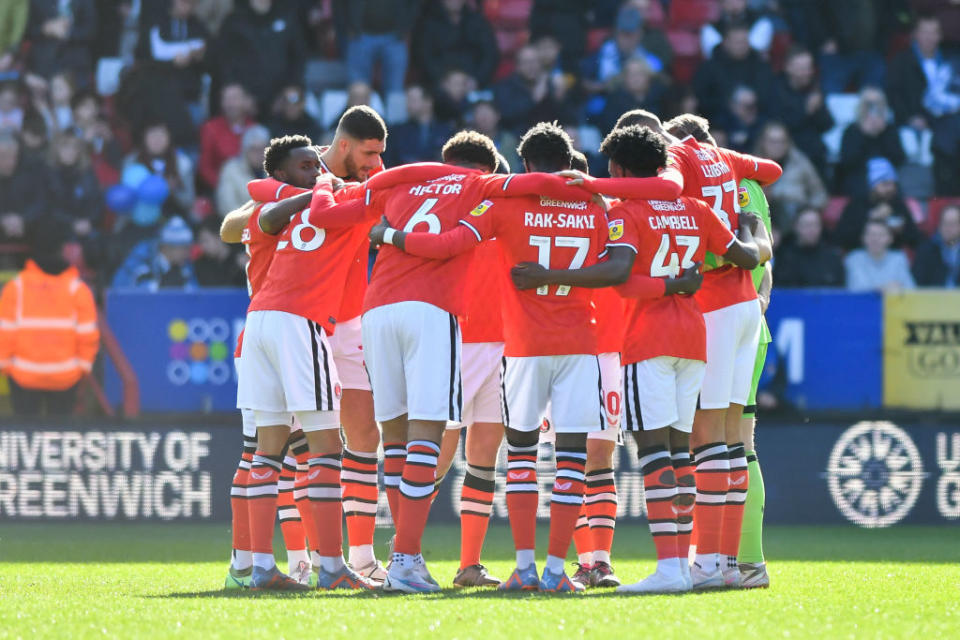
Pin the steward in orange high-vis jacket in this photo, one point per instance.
(48, 334)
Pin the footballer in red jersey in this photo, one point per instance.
(550, 345)
(286, 367)
(353, 155)
(650, 242)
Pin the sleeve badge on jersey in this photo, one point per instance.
(743, 197)
(481, 208)
(616, 229)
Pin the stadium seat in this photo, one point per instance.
(843, 108)
(833, 210)
(693, 14)
(654, 16)
(934, 208)
(509, 41)
(685, 43)
(595, 38)
(508, 14)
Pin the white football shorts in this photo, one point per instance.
(733, 334)
(347, 345)
(569, 384)
(661, 392)
(480, 372)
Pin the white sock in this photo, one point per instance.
(709, 562)
(241, 560)
(601, 556)
(554, 564)
(315, 559)
(264, 560)
(294, 557)
(669, 567)
(586, 559)
(525, 558)
(331, 564)
(362, 556)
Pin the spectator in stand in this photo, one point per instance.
(175, 45)
(742, 120)
(805, 259)
(630, 40)
(74, 194)
(23, 191)
(58, 111)
(877, 267)
(290, 115)
(220, 136)
(451, 35)
(34, 139)
(61, 34)
(761, 27)
(238, 171)
(13, 24)
(937, 262)
(485, 118)
(419, 138)
(161, 263)
(847, 36)
(733, 64)
(11, 106)
(638, 87)
(218, 264)
(529, 95)
(451, 98)
(870, 136)
(882, 203)
(156, 152)
(261, 47)
(107, 154)
(924, 90)
(799, 187)
(565, 21)
(48, 330)
(798, 103)
(377, 30)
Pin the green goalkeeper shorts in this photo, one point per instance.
(750, 410)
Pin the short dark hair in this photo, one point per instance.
(637, 149)
(546, 146)
(360, 122)
(470, 147)
(279, 150)
(690, 124)
(638, 117)
(579, 161)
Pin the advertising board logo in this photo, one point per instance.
(875, 474)
(933, 349)
(198, 351)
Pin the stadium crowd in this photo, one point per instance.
(134, 126)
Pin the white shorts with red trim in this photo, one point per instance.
(480, 372)
(733, 334)
(610, 373)
(347, 345)
(412, 351)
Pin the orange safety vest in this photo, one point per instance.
(48, 329)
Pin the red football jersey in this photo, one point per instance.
(608, 319)
(307, 276)
(483, 320)
(668, 236)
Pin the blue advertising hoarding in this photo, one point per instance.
(180, 344)
(870, 474)
(827, 348)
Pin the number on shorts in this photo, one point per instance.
(423, 215)
(613, 407)
(544, 244)
(716, 193)
(668, 263)
(296, 235)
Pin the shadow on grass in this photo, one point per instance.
(446, 594)
(121, 542)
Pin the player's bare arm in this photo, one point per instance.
(273, 220)
(744, 252)
(766, 287)
(666, 186)
(615, 270)
(762, 239)
(231, 229)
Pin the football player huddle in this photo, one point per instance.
(501, 302)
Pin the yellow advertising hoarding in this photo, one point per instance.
(921, 350)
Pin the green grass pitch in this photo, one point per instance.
(163, 580)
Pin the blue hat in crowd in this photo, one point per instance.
(880, 170)
(629, 19)
(176, 232)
